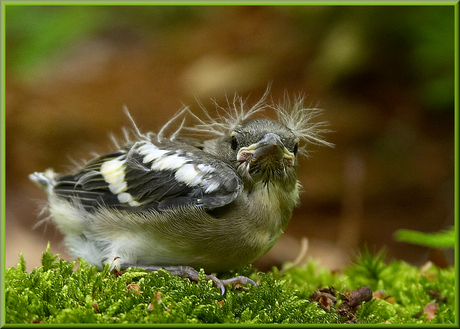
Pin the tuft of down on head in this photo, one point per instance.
(293, 114)
(299, 120)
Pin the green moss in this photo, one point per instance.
(58, 292)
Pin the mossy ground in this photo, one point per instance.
(61, 292)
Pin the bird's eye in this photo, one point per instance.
(296, 148)
(234, 144)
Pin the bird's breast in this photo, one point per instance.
(269, 209)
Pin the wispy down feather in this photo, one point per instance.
(299, 120)
(229, 117)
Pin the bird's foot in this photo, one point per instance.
(192, 274)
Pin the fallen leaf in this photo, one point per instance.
(381, 294)
(157, 297)
(96, 308)
(134, 288)
(430, 310)
(325, 297)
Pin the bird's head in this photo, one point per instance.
(263, 150)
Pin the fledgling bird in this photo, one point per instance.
(181, 203)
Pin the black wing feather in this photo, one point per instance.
(153, 188)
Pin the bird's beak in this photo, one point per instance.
(270, 146)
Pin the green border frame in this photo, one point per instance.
(2, 167)
(230, 3)
(456, 151)
(3, 4)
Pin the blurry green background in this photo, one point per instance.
(383, 74)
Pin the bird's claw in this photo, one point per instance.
(221, 284)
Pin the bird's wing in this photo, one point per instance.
(151, 175)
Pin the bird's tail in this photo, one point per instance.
(46, 180)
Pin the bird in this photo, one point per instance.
(213, 195)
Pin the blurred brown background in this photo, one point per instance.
(383, 74)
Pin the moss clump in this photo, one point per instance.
(56, 292)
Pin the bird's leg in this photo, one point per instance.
(192, 274)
